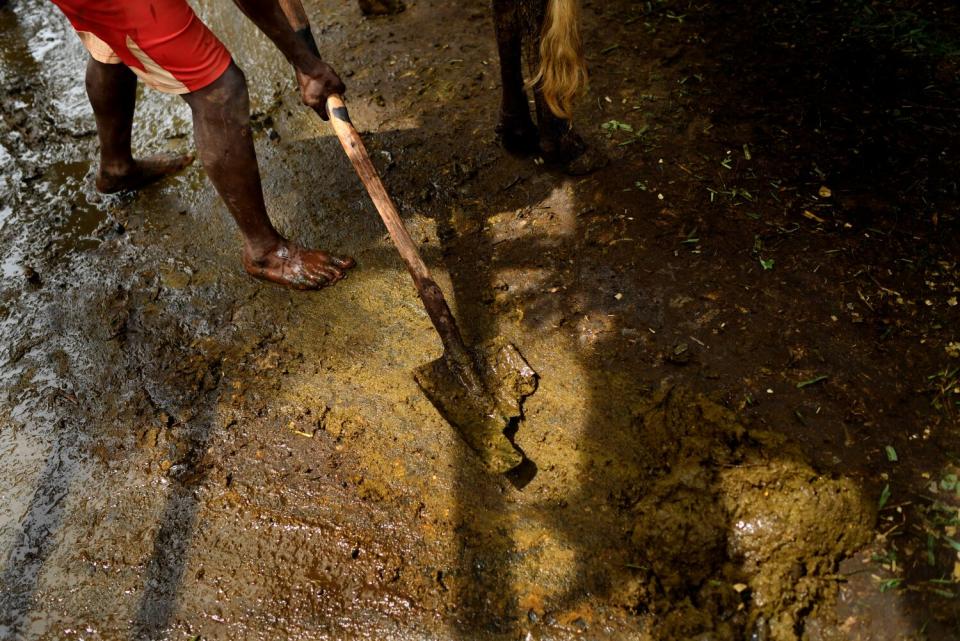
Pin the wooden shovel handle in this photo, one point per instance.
(430, 293)
(353, 146)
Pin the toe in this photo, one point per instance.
(322, 276)
(173, 162)
(345, 262)
(333, 275)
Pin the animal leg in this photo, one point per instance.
(516, 130)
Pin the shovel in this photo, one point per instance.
(479, 391)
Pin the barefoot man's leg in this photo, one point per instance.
(221, 124)
(171, 50)
(112, 90)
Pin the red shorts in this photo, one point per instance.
(162, 41)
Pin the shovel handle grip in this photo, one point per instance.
(430, 293)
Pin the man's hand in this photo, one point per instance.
(317, 84)
(286, 24)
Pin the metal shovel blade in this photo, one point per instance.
(482, 416)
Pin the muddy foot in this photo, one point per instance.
(381, 7)
(518, 135)
(142, 172)
(296, 267)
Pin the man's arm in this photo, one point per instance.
(299, 22)
(286, 24)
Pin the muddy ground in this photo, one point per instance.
(745, 327)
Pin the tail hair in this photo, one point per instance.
(562, 72)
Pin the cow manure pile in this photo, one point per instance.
(734, 535)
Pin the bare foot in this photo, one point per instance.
(141, 173)
(296, 267)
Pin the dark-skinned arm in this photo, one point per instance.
(286, 24)
(299, 22)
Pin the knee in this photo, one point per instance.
(225, 99)
(102, 76)
(234, 84)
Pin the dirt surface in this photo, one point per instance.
(745, 328)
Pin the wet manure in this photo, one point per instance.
(735, 534)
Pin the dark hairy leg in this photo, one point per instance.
(560, 143)
(221, 124)
(112, 90)
(562, 146)
(517, 132)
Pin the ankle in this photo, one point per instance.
(260, 250)
(116, 168)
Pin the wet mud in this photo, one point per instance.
(744, 417)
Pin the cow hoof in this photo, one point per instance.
(571, 154)
(518, 137)
(589, 161)
(381, 7)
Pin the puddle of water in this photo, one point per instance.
(56, 213)
(45, 41)
(12, 263)
(82, 218)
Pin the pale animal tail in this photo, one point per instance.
(562, 72)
